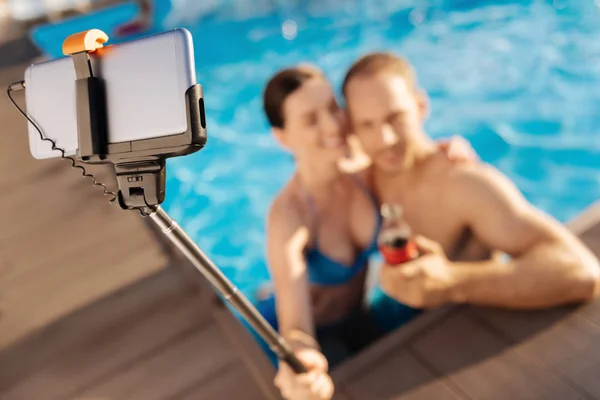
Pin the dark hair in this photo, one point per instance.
(280, 86)
(378, 62)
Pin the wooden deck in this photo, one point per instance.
(62, 245)
(156, 339)
(92, 306)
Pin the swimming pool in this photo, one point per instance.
(517, 78)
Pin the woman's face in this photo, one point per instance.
(315, 125)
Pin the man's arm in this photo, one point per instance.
(287, 238)
(548, 266)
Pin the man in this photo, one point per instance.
(462, 213)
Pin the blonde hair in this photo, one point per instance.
(374, 63)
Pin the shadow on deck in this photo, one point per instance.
(92, 305)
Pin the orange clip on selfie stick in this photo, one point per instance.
(88, 41)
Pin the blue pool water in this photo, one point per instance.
(519, 79)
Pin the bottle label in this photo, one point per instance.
(399, 255)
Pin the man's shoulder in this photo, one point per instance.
(461, 173)
(477, 175)
(471, 184)
(464, 178)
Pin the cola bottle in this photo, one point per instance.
(394, 241)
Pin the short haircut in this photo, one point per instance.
(374, 63)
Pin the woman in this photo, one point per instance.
(321, 230)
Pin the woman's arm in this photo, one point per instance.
(287, 237)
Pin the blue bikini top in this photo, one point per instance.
(322, 270)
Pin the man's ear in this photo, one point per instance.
(423, 104)
(280, 136)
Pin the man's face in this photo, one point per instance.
(387, 117)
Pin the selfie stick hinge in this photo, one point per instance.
(141, 184)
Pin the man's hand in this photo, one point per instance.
(316, 384)
(422, 283)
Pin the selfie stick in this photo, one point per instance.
(140, 169)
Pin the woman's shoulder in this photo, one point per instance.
(286, 211)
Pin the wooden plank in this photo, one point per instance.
(56, 339)
(259, 367)
(587, 226)
(369, 358)
(593, 231)
(486, 367)
(62, 246)
(585, 220)
(72, 200)
(340, 394)
(190, 357)
(562, 340)
(591, 312)
(400, 376)
(111, 348)
(231, 382)
(248, 350)
(68, 285)
(591, 239)
(523, 325)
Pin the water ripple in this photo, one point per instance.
(516, 78)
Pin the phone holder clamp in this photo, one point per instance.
(139, 164)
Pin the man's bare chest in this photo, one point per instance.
(429, 215)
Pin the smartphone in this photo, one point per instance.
(145, 79)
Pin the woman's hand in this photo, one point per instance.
(356, 160)
(316, 384)
(458, 149)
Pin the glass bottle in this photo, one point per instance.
(394, 241)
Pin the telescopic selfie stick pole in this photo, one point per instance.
(224, 286)
(140, 169)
